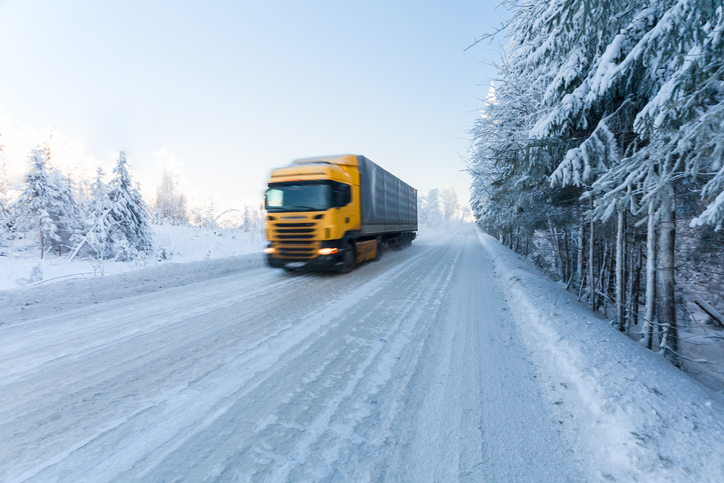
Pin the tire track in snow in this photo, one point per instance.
(90, 334)
(332, 310)
(179, 420)
(261, 402)
(62, 394)
(391, 379)
(373, 371)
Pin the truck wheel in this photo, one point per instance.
(348, 259)
(378, 253)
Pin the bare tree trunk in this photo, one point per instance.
(559, 254)
(605, 278)
(591, 264)
(624, 261)
(569, 272)
(636, 287)
(629, 276)
(666, 308)
(579, 262)
(580, 287)
(648, 328)
(41, 239)
(620, 248)
(556, 249)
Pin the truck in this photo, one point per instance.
(331, 213)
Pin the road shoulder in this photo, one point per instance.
(640, 418)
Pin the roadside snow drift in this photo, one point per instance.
(641, 418)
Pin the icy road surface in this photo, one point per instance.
(408, 369)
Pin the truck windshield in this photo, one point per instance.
(299, 197)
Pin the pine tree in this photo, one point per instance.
(627, 109)
(101, 223)
(170, 205)
(247, 219)
(129, 212)
(4, 201)
(432, 212)
(47, 204)
(666, 70)
(511, 194)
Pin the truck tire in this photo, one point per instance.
(348, 259)
(378, 253)
(395, 243)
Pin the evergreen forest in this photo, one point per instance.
(598, 155)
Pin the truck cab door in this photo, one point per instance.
(350, 215)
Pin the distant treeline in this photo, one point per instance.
(98, 218)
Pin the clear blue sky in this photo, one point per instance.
(237, 88)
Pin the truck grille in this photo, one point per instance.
(295, 240)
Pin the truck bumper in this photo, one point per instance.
(325, 263)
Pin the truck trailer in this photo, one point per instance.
(332, 212)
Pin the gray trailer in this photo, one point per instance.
(388, 204)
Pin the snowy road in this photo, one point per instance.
(407, 369)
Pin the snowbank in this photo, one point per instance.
(639, 417)
(20, 263)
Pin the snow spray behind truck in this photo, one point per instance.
(333, 212)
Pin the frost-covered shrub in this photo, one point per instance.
(36, 274)
(162, 254)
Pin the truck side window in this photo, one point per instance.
(346, 194)
(342, 194)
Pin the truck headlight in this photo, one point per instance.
(327, 251)
(269, 250)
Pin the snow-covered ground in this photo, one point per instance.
(453, 360)
(20, 263)
(639, 417)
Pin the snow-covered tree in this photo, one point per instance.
(248, 218)
(129, 212)
(170, 203)
(450, 202)
(4, 199)
(46, 205)
(100, 220)
(511, 192)
(620, 103)
(206, 214)
(660, 79)
(430, 212)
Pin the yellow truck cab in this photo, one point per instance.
(333, 212)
